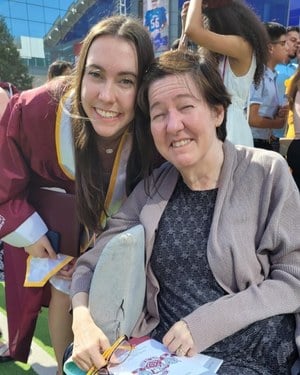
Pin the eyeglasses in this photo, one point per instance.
(114, 355)
(281, 42)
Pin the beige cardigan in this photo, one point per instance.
(253, 248)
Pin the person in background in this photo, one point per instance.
(4, 99)
(293, 152)
(232, 33)
(9, 88)
(104, 146)
(297, 58)
(266, 112)
(290, 134)
(59, 68)
(293, 42)
(289, 67)
(234, 291)
(285, 71)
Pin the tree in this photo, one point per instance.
(12, 68)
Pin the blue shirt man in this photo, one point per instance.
(266, 112)
(266, 95)
(286, 69)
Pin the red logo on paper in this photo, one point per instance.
(156, 365)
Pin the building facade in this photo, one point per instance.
(282, 11)
(46, 30)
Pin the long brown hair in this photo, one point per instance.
(90, 186)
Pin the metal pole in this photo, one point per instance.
(123, 7)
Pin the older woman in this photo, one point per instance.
(222, 232)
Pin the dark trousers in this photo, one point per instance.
(275, 144)
(272, 144)
(293, 159)
(262, 143)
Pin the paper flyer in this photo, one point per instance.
(153, 358)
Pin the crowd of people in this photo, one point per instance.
(186, 145)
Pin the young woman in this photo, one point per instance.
(109, 144)
(234, 36)
(222, 260)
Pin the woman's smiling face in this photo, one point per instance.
(183, 125)
(109, 85)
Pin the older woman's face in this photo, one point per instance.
(182, 124)
(109, 85)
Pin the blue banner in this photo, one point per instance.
(156, 15)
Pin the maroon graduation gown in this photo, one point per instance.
(28, 155)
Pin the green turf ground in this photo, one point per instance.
(41, 338)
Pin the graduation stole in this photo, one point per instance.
(39, 270)
(116, 193)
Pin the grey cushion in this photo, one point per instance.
(118, 285)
